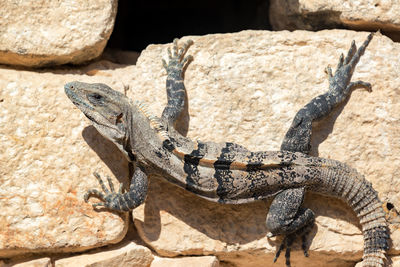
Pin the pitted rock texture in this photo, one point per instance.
(203, 261)
(127, 254)
(322, 14)
(174, 222)
(43, 33)
(42, 262)
(48, 155)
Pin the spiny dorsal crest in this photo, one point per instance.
(155, 122)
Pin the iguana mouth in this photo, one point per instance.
(76, 100)
(85, 107)
(89, 117)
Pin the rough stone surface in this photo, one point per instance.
(243, 87)
(320, 14)
(128, 254)
(42, 262)
(246, 88)
(204, 261)
(395, 261)
(39, 33)
(236, 234)
(47, 159)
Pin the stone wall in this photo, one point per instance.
(243, 87)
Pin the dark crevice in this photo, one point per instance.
(140, 23)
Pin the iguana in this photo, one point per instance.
(227, 172)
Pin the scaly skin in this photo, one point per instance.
(227, 172)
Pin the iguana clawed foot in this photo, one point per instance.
(288, 241)
(110, 197)
(176, 58)
(340, 81)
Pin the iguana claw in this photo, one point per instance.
(108, 196)
(176, 57)
(288, 241)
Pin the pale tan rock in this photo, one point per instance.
(320, 14)
(41, 33)
(246, 88)
(127, 254)
(47, 159)
(204, 261)
(179, 223)
(395, 261)
(42, 262)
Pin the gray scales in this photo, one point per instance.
(227, 172)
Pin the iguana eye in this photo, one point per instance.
(95, 98)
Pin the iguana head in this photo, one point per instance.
(106, 108)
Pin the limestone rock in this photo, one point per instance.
(317, 15)
(204, 261)
(179, 223)
(128, 254)
(246, 88)
(395, 261)
(47, 159)
(42, 262)
(41, 33)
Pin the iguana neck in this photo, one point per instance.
(147, 135)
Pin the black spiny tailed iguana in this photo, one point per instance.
(227, 172)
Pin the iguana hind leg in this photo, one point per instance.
(286, 217)
(175, 86)
(298, 137)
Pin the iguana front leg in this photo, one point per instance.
(286, 216)
(119, 201)
(175, 86)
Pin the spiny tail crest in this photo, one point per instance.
(360, 195)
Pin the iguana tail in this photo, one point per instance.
(348, 184)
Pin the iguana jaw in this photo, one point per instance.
(105, 108)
